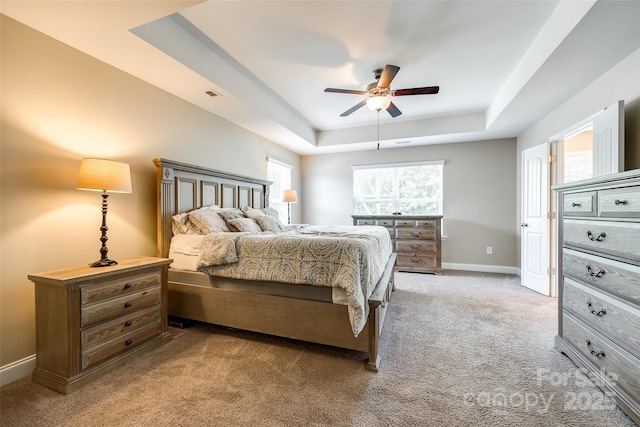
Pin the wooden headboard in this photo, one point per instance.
(183, 187)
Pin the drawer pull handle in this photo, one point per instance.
(575, 205)
(127, 304)
(127, 323)
(594, 239)
(415, 260)
(592, 273)
(128, 286)
(602, 311)
(129, 342)
(595, 353)
(620, 202)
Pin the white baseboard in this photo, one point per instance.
(16, 370)
(481, 268)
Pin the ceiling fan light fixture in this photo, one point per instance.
(377, 103)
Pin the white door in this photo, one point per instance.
(535, 225)
(608, 140)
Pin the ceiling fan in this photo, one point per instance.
(379, 91)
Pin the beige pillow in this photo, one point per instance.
(268, 211)
(208, 221)
(230, 214)
(244, 224)
(180, 224)
(268, 223)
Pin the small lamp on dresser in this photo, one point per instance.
(106, 176)
(290, 196)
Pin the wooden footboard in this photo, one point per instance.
(306, 320)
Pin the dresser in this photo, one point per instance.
(416, 239)
(599, 288)
(90, 320)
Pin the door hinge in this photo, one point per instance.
(551, 271)
(552, 158)
(551, 215)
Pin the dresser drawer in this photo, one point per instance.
(114, 288)
(106, 331)
(621, 239)
(117, 307)
(385, 222)
(365, 222)
(415, 246)
(616, 278)
(618, 321)
(580, 204)
(417, 261)
(619, 202)
(621, 367)
(121, 344)
(416, 233)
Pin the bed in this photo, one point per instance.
(293, 308)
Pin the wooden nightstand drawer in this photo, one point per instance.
(116, 307)
(106, 331)
(612, 318)
(621, 367)
(619, 202)
(416, 246)
(120, 345)
(581, 204)
(127, 285)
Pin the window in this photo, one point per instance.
(280, 174)
(409, 188)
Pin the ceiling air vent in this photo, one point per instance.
(212, 93)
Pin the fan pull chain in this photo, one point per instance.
(378, 130)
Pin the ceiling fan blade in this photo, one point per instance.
(393, 110)
(355, 92)
(387, 75)
(429, 90)
(354, 108)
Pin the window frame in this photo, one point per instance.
(395, 198)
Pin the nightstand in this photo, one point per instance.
(90, 320)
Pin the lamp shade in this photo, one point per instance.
(104, 175)
(290, 196)
(377, 103)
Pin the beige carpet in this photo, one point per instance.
(461, 349)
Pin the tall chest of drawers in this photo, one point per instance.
(416, 239)
(90, 320)
(599, 289)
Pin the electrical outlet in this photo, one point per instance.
(489, 250)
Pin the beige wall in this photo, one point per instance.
(60, 105)
(479, 194)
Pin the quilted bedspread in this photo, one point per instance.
(348, 257)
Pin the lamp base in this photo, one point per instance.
(103, 263)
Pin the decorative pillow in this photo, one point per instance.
(244, 224)
(268, 211)
(208, 221)
(180, 224)
(268, 223)
(230, 214)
